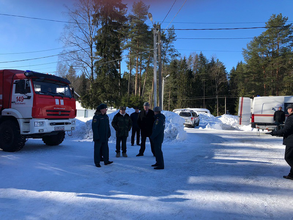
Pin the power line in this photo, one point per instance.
(214, 38)
(34, 18)
(220, 29)
(244, 22)
(42, 64)
(176, 14)
(31, 51)
(38, 51)
(169, 11)
(37, 58)
(221, 51)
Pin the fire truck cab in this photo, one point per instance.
(34, 105)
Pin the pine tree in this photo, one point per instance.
(139, 43)
(110, 17)
(268, 57)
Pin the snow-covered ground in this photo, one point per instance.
(216, 171)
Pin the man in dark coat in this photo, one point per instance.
(122, 125)
(287, 133)
(157, 138)
(279, 117)
(145, 122)
(135, 127)
(101, 134)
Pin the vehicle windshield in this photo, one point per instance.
(185, 114)
(48, 87)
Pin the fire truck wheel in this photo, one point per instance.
(10, 138)
(54, 139)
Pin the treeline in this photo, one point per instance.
(104, 30)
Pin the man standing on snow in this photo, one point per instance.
(101, 134)
(145, 122)
(122, 125)
(157, 138)
(135, 127)
(287, 133)
(279, 117)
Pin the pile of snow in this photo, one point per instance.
(224, 122)
(174, 128)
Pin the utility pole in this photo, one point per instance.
(155, 59)
(163, 88)
(155, 65)
(160, 67)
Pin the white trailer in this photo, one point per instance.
(259, 111)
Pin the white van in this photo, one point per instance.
(259, 111)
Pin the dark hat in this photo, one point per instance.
(136, 107)
(122, 108)
(157, 109)
(290, 106)
(146, 104)
(102, 106)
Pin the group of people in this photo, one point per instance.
(147, 123)
(151, 123)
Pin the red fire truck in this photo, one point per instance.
(34, 105)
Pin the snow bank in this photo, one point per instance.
(224, 122)
(174, 128)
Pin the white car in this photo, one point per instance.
(190, 117)
(200, 110)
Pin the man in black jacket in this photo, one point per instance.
(287, 133)
(122, 125)
(101, 134)
(279, 117)
(145, 122)
(135, 127)
(157, 138)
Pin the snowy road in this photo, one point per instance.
(212, 175)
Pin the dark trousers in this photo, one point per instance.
(279, 126)
(289, 158)
(142, 146)
(101, 147)
(123, 140)
(137, 132)
(159, 155)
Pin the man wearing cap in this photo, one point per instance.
(287, 133)
(279, 117)
(157, 138)
(122, 125)
(101, 134)
(135, 127)
(145, 122)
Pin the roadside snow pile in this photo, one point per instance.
(224, 122)
(229, 122)
(174, 128)
(208, 121)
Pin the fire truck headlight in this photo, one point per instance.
(39, 123)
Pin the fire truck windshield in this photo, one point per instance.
(48, 87)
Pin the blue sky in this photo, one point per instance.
(23, 38)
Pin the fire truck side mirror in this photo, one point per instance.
(72, 91)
